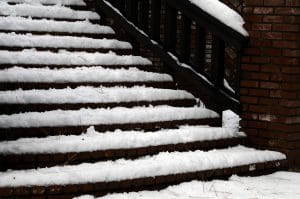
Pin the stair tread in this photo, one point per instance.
(40, 11)
(91, 95)
(37, 25)
(56, 42)
(79, 74)
(94, 141)
(150, 166)
(50, 2)
(65, 58)
(117, 115)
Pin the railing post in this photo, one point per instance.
(131, 10)
(155, 19)
(218, 52)
(200, 49)
(144, 15)
(185, 39)
(170, 29)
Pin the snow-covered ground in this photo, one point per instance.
(280, 185)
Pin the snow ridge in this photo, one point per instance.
(117, 115)
(162, 164)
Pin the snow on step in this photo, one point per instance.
(91, 95)
(43, 25)
(80, 74)
(45, 12)
(29, 40)
(69, 58)
(95, 141)
(117, 115)
(49, 2)
(162, 164)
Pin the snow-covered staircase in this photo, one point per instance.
(80, 114)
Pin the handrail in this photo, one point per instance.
(141, 19)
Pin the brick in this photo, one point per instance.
(6, 191)
(292, 120)
(273, 19)
(290, 103)
(285, 44)
(291, 53)
(290, 36)
(288, 11)
(271, 52)
(38, 190)
(254, 34)
(22, 191)
(258, 92)
(260, 60)
(286, 28)
(274, 2)
(260, 43)
(249, 100)
(286, 61)
(261, 27)
(253, 18)
(249, 84)
(268, 101)
(262, 10)
(250, 67)
(272, 35)
(291, 19)
(291, 86)
(247, 10)
(291, 70)
(269, 85)
(270, 68)
(253, 2)
(252, 51)
(255, 76)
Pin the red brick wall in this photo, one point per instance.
(270, 82)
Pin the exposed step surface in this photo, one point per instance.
(94, 146)
(140, 173)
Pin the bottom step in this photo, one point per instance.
(148, 172)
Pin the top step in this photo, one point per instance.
(49, 2)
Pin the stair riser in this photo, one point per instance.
(15, 133)
(28, 86)
(157, 182)
(30, 161)
(19, 108)
(55, 50)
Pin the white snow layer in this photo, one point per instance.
(230, 120)
(162, 164)
(283, 185)
(91, 95)
(43, 25)
(95, 141)
(80, 74)
(45, 12)
(117, 115)
(29, 40)
(49, 2)
(63, 57)
(223, 13)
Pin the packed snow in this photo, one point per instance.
(49, 2)
(95, 141)
(80, 74)
(29, 40)
(43, 25)
(40, 11)
(223, 13)
(63, 57)
(117, 115)
(230, 120)
(91, 95)
(283, 185)
(162, 164)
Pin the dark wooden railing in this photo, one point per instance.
(166, 27)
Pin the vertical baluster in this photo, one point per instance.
(200, 49)
(185, 39)
(131, 8)
(144, 15)
(170, 29)
(155, 19)
(218, 52)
